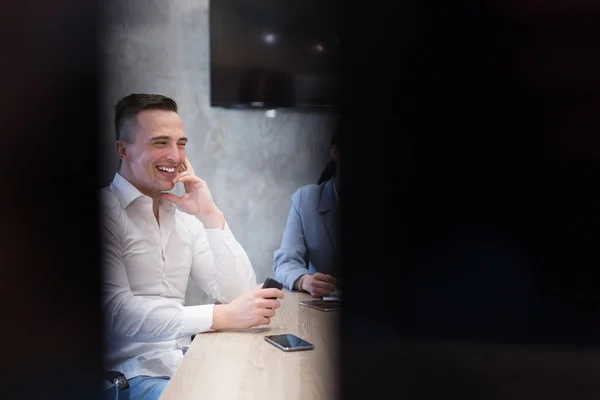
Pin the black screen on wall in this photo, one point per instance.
(273, 53)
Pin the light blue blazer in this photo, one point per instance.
(310, 241)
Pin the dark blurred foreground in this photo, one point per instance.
(471, 219)
(49, 250)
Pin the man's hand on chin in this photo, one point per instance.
(197, 199)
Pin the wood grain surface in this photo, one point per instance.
(242, 365)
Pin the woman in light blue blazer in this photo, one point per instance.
(309, 256)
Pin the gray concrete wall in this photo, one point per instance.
(251, 163)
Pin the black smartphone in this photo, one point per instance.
(289, 342)
(272, 283)
(322, 305)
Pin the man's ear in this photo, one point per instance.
(121, 147)
(334, 151)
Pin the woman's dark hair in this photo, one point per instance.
(330, 168)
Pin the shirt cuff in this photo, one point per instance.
(196, 319)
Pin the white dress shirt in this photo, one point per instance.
(146, 266)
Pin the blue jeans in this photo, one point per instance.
(147, 387)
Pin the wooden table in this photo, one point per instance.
(242, 365)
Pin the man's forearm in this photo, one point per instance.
(228, 260)
(144, 320)
(213, 220)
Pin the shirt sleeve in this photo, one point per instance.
(289, 260)
(136, 318)
(221, 267)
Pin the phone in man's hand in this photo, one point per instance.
(272, 283)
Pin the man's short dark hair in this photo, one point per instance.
(130, 106)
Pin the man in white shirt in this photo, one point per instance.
(153, 241)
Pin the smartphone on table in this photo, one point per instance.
(322, 305)
(289, 342)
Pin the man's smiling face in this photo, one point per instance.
(157, 151)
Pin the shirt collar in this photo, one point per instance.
(127, 193)
(124, 190)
